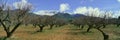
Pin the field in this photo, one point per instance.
(67, 32)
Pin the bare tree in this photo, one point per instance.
(60, 22)
(40, 21)
(8, 20)
(51, 22)
(102, 22)
(118, 21)
(80, 22)
(98, 22)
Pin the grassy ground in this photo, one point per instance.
(67, 32)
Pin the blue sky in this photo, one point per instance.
(54, 4)
(72, 5)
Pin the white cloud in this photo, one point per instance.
(45, 12)
(118, 0)
(22, 4)
(90, 11)
(116, 14)
(94, 12)
(109, 14)
(25, 1)
(81, 10)
(64, 7)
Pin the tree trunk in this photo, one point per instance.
(79, 26)
(104, 26)
(118, 25)
(51, 26)
(8, 35)
(16, 26)
(90, 26)
(41, 28)
(106, 37)
(88, 29)
(82, 26)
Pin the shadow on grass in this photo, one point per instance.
(73, 29)
(79, 33)
(3, 38)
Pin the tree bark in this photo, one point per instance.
(41, 28)
(7, 30)
(104, 26)
(8, 35)
(82, 26)
(105, 36)
(90, 26)
(16, 26)
(51, 26)
(118, 25)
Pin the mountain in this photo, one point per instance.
(62, 15)
(56, 14)
(67, 15)
(78, 15)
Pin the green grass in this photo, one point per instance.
(67, 32)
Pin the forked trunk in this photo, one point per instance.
(41, 28)
(105, 36)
